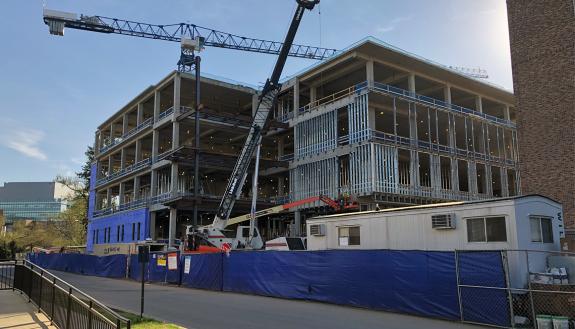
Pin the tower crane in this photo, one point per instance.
(194, 38)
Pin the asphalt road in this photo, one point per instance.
(202, 309)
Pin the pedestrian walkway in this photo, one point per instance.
(17, 313)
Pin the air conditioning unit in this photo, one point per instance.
(317, 229)
(443, 221)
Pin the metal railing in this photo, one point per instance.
(7, 274)
(118, 140)
(66, 306)
(129, 169)
(332, 98)
(165, 113)
(392, 90)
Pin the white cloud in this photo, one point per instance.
(392, 25)
(24, 141)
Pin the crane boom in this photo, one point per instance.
(58, 20)
(266, 102)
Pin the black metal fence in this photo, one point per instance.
(6, 274)
(66, 306)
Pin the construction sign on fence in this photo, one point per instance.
(173, 261)
(161, 260)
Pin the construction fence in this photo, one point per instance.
(499, 288)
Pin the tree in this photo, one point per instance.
(72, 223)
(80, 185)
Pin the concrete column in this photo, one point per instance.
(110, 170)
(296, 97)
(175, 135)
(297, 223)
(371, 117)
(138, 151)
(478, 104)
(488, 180)
(435, 177)
(140, 114)
(108, 197)
(412, 123)
(447, 94)
(155, 144)
(369, 73)
(136, 187)
(507, 113)
(312, 94)
(122, 158)
(172, 226)
(156, 105)
(174, 177)
(125, 122)
(451, 123)
(177, 89)
(472, 178)
(111, 132)
(454, 175)
(152, 225)
(280, 146)
(153, 182)
(411, 83)
(414, 172)
(122, 192)
(504, 182)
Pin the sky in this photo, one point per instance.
(55, 91)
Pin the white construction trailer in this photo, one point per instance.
(530, 222)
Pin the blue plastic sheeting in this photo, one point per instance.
(91, 203)
(158, 273)
(414, 282)
(109, 266)
(481, 304)
(205, 271)
(125, 218)
(135, 272)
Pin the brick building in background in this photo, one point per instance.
(543, 61)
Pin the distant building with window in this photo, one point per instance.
(36, 201)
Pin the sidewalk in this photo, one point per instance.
(17, 313)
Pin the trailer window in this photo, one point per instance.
(349, 236)
(486, 229)
(541, 229)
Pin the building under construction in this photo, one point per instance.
(373, 124)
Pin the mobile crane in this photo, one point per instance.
(214, 233)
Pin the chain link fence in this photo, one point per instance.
(525, 288)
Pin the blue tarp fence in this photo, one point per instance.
(415, 282)
(479, 273)
(108, 266)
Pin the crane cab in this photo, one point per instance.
(223, 239)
